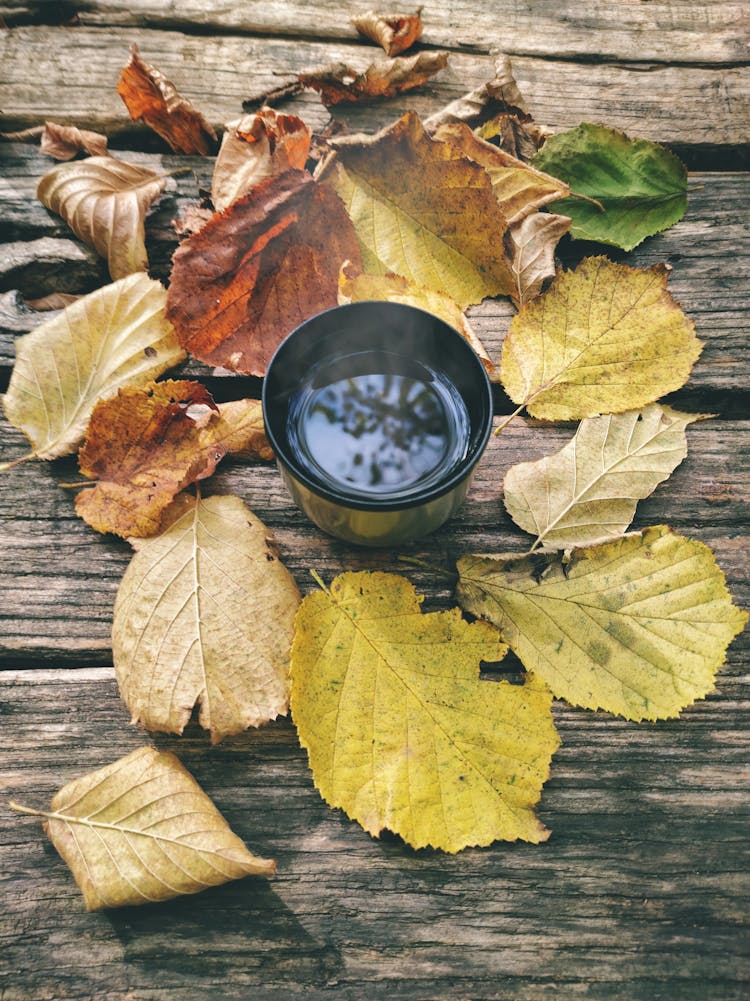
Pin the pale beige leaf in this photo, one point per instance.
(63, 142)
(530, 245)
(205, 614)
(142, 830)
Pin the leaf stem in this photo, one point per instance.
(17, 462)
(587, 198)
(319, 581)
(75, 486)
(506, 422)
(427, 566)
(26, 809)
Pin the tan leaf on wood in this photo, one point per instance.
(530, 245)
(339, 83)
(63, 142)
(395, 33)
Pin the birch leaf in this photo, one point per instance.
(602, 339)
(637, 627)
(142, 830)
(401, 732)
(530, 245)
(393, 32)
(115, 336)
(204, 614)
(588, 491)
(104, 201)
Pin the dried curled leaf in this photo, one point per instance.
(638, 626)
(151, 98)
(104, 201)
(422, 210)
(256, 271)
(395, 33)
(115, 336)
(339, 83)
(401, 732)
(205, 614)
(530, 245)
(63, 142)
(602, 339)
(142, 830)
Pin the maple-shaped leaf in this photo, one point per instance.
(63, 142)
(115, 336)
(638, 626)
(256, 147)
(205, 614)
(339, 83)
(587, 492)
(142, 830)
(400, 731)
(151, 98)
(530, 245)
(602, 339)
(641, 184)
(257, 270)
(104, 201)
(357, 287)
(423, 210)
(395, 33)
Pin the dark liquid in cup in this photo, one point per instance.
(377, 424)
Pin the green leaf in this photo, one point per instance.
(642, 185)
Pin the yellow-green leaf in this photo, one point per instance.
(588, 491)
(602, 339)
(205, 614)
(401, 732)
(638, 626)
(142, 830)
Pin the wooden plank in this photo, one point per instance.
(76, 70)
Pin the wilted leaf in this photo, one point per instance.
(588, 491)
(257, 270)
(602, 339)
(356, 287)
(104, 201)
(142, 830)
(115, 336)
(256, 147)
(638, 626)
(339, 83)
(393, 32)
(401, 732)
(642, 185)
(205, 614)
(63, 142)
(422, 210)
(151, 98)
(530, 245)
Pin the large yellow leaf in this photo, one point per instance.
(602, 339)
(588, 491)
(115, 336)
(638, 626)
(401, 732)
(204, 614)
(422, 210)
(142, 830)
(104, 201)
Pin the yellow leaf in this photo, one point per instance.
(204, 614)
(401, 732)
(422, 210)
(239, 430)
(602, 339)
(142, 830)
(104, 201)
(638, 626)
(116, 336)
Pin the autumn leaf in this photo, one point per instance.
(602, 339)
(239, 430)
(151, 98)
(204, 614)
(357, 287)
(530, 245)
(641, 184)
(587, 492)
(142, 830)
(422, 210)
(637, 626)
(393, 32)
(401, 732)
(115, 336)
(256, 147)
(104, 201)
(63, 142)
(339, 83)
(257, 270)
(53, 301)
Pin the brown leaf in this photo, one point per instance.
(143, 447)
(256, 147)
(257, 270)
(151, 98)
(338, 82)
(63, 142)
(530, 245)
(104, 201)
(393, 32)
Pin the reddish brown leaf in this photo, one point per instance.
(257, 270)
(393, 32)
(63, 142)
(151, 98)
(338, 82)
